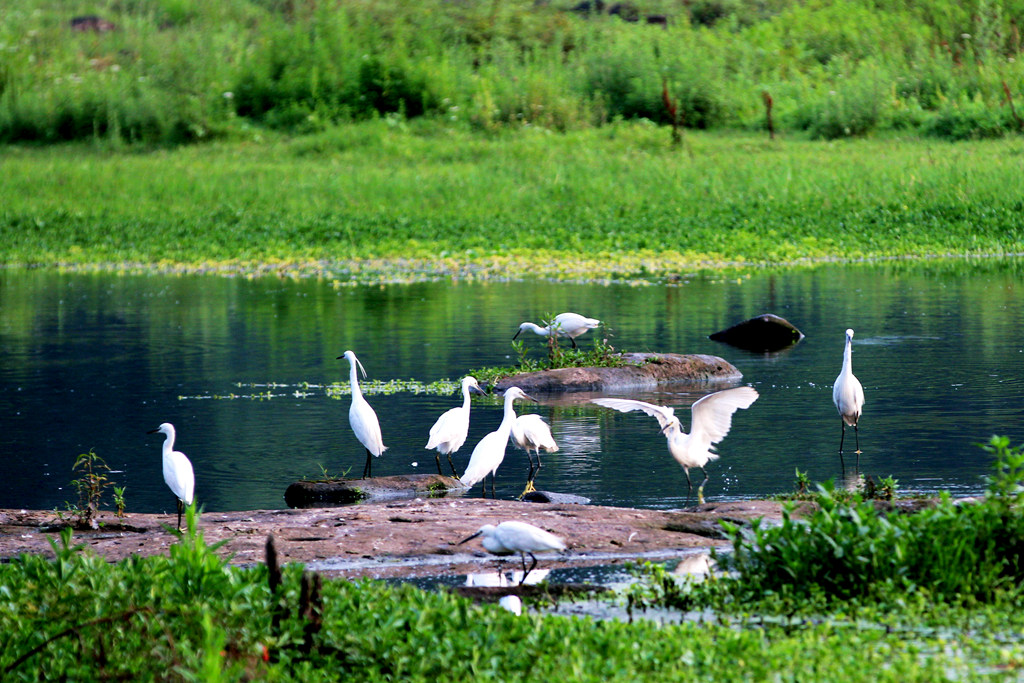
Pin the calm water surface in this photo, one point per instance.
(97, 360)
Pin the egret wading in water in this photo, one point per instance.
(449, 432)
(569, 325)
(178, 473)
(489, 453)
(848, 395)
(712, 419)
(531, 432)
(362, 418)
(517, 537)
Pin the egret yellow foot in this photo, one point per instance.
(529, 489)
(700, 496)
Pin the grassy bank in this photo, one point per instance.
(179, 71)
(394, 199)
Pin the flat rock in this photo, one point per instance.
(402, 537)
(648, 371)
(553, 497)
(329, 492)
(764, 334)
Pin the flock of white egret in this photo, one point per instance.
(710, 423)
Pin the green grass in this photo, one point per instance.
(181, 71)
(403, 201)
(190, 616)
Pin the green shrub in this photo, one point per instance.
(971, 552)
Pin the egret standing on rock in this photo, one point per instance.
(178, 473)
(569, 325)
(362, 418)
(517, 537)
(449, 432)
(848, 395)
(489, 453)
(531, 432)
(712, 419)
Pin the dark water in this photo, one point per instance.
(96, 360)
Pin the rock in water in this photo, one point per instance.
(765, 333)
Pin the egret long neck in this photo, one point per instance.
(168, 446)
(465, 397)
(354, 379)
(848, 357)
(509, 418)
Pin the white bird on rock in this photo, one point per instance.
(569, 325)
(517, 537)
(712, 419)
(490, 451)
(178, 473)
(848, 395)
(531, 432)
(362, 418)
(449, 432)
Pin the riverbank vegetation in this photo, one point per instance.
(181, 71)
(383, 201)
(849, 594)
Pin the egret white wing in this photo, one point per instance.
(712, 415)
(451, 429)
(665, 414)
(179, 476)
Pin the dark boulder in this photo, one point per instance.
(764, 334)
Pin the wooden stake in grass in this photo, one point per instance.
(768, 103)
(1009, 101)
(673, 113)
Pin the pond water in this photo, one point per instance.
(94, 361)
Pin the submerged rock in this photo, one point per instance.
(552, 497)
(764, 334)
(326, 493)
(646, 371)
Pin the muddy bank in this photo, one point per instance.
(415, 537)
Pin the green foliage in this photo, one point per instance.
(90, 485)
(178, 72)
(419, 202)
(957, 553)
(601, 354)
(80, 618)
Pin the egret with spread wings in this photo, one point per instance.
(712, 419)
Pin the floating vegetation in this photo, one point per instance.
(270, 390)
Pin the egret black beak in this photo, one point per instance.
(470, 538)
(153, 431)
(478, 390)
(516, 334)
(530, 398)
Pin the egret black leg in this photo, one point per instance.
(526, 572)
(573, 343)
(492, 487)
(842, 436)
(437, 457)
(368, 468)
(179, 513)
(454, 473)
(856, 435)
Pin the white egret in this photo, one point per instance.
(848, 395)
(449, 432)
(362, 418)
(712, 419)
(517, 537)
(531, 432)
(569, 325)
(490, 451)
(178, 473)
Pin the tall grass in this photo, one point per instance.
(180, 71)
